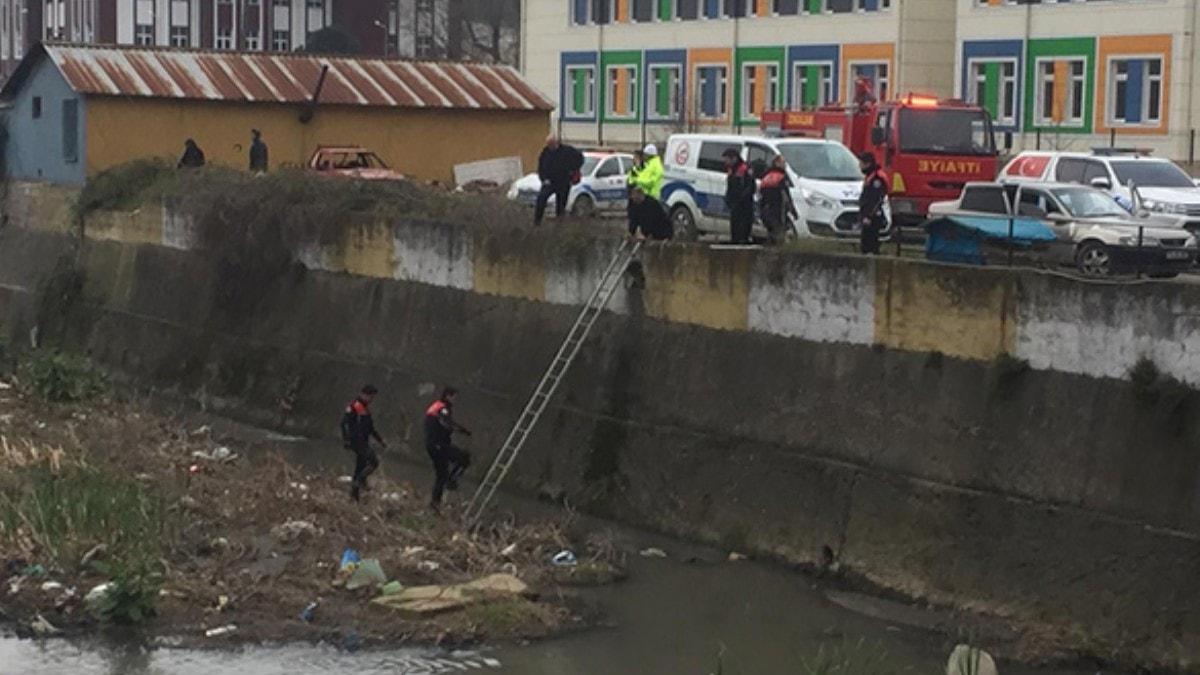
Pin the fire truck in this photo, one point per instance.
(929, 147)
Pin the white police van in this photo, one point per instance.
(603, 185)
(825, 175)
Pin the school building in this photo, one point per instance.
(1066, 74)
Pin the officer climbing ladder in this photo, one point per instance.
(550, 380)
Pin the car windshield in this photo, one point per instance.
(356, 160)
(1151, 174)
(589, 165)
(1085, 203)
(942, 131)
(821, 161)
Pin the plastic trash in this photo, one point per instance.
(51, 586)
(34, 570)
(350, 559)
(367, 573)
(95, 596)
(428, 566)
(40, 626)
(391, 588)
(734, 556)
(509, 550)
(228, 629)
(653, 553)
(564, 558)
(306, 614)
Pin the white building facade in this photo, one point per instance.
(1076, 75)
(630, 71)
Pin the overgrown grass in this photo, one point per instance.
(848, 657)
(61, 378)
(1170, 398)
(54, 511)
(125, 187)
(60, 515)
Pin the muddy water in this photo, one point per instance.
(693, 613)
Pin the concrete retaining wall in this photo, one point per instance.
(771, 401)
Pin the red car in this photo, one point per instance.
(352, 162)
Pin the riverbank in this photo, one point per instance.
(246, 539)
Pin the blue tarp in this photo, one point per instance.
(960, 239)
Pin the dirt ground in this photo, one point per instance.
(231, 562)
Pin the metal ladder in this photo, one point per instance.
(550, 381)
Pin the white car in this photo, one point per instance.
(825, 175)
(603, 186)
(1163, 187)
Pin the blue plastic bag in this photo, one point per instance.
(350, 559)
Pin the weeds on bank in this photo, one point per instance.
(61, 514)
(849, 658)
(61, 378)
(124, 187)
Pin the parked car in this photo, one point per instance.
(603, 186)
(825, 175)
(1164, 187)
(351, 161)
(1093, 232)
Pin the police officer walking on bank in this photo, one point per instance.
(449, 461)
(358, 428)
(871, 202)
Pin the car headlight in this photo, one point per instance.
(1164, 207)
(819, 201)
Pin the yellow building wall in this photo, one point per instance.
(423, 144)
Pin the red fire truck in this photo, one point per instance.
(929, 147)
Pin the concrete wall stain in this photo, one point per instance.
(956, 311)
(692, 285)
(504, 266)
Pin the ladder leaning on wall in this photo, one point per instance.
(537, 403)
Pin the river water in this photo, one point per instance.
(692, 613)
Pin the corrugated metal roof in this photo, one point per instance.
(291, 78)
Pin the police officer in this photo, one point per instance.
(740, 189)
(870, 204)
(358, 428)
(449, 461)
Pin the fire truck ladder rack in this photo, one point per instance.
(550, 381)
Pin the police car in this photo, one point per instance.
(825, 174)
(603, 185)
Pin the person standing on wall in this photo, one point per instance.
(558, 169)
(870, 204)
(449, 461)
(647, 217)
(358, 428)
(193, 156)
(739, 195)
(647, 172)
(258, 152)
(775, 194)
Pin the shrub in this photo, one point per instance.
(133, 595)
(123, 187)
(61, 378)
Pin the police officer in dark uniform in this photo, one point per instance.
(449, 461)
(870, 203)
(358, 428)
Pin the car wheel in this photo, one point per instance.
(684, 223)
(583, 207)
(1094, 259)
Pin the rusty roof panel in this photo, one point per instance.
(290, 78)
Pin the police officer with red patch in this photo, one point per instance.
(871, 202)
(358, 428)
(449, 461)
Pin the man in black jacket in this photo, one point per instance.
(258, 152)
(739, 195)
(558, 166)
(647, 217)
(358, 428)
